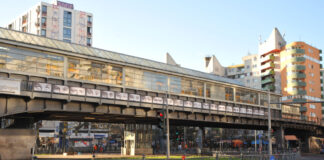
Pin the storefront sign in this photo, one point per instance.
(236, 109)
(213, 107)
(146, 99)
(221, 108)
(197, 105)
(134, 97)
(42, 87)
(108, 94)
(158, 100)
(61, 89)
(64, 4)
(249, 111)
(77, 91)
(122, 96)
(206, 106)
(261, 112)
(93, 93)
(178, 102)
(10, 86)
(229, 109)
(243, 110)
(187, 104)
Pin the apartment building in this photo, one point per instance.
(58, 20)
(247, 73)
(300, 78)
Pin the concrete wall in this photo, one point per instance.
(16, 143)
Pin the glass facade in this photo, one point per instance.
(246, 96)
(219, 92)
(31, 62)
(93, 71)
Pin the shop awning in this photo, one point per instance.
(291, 138)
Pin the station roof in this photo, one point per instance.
(31, 39)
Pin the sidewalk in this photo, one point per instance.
(84, 156)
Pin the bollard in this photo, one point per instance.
(241, 156)
(217, 156)
(183, 157)
(93, 156)
(143, 157)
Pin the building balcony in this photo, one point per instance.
(296, 51)
(267, 80)
(298, 59)
(37, 24)
(297, 84)
(303, 109)
(297, 67)
(267, 66)
(267, 73)
(268, 87)
(44, 14)
(267, 58)
(297, 75)
(298, 92)
(303, 117)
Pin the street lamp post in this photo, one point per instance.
(167, 127)
(269, 127)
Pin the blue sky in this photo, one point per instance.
(190, 29)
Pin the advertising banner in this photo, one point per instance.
(243, 110)
(108, 94)
(213, 107)
(42, 87)
(146, 99)
(77, 91)
(197, 105)
(187, 104)
(249, 111)
(221, 108)
(178, 102)
(93, 93)
(61, 89)
(236, 109)
(229, 109)
(261, 112)
(158, 100)
(122, 96)
(205, 105)
(134, 97)
(255, 111)
(10, 86)
(170, 102)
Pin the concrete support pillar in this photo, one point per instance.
(279, 134)
(199, 139)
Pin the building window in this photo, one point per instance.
(89, 30)
(43, 21)
(89, 19)
(312, 114)
(44, 9)
(67, 33)
(67, 19)
(43, 32)
(312, 106)
(88, 41)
